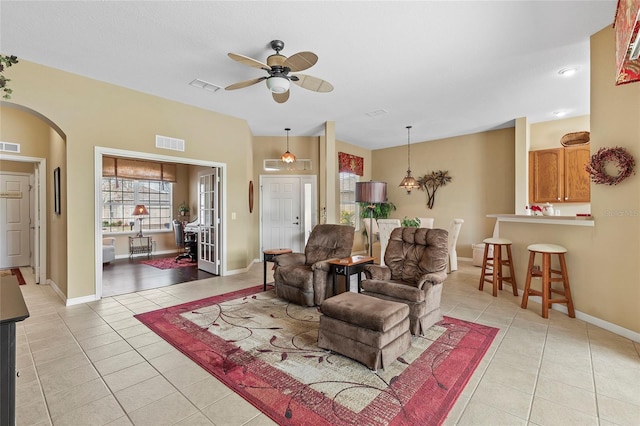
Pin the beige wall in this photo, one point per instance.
(38, 139)
(483, 172)
(602, 260)
(93, 113)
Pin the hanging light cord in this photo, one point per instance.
(287, 130)
(408, 150)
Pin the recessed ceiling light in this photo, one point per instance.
(568, 72)
(559, 113)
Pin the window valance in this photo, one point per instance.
(350, 163)
(138, 169)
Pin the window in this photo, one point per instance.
(120, 196)
(349, 211)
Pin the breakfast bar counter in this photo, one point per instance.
(546, 220)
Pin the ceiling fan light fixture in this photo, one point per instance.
(278, 84)
(288, 157)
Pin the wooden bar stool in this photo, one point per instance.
(496, 263)
(546, 273)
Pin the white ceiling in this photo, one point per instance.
(446, 67)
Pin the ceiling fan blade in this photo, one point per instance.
(301, 61)
(313, 83)
(248, 61)
(246, 83)
(281, 97)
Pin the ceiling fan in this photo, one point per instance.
(279, 66)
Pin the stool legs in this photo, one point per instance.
(546, 273)
(512, 278)
(496, 262)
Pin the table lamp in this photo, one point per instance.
(371, 193)
(140, 210)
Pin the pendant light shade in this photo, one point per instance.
(288, 157)
(409, 181)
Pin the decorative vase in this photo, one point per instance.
(547, 209)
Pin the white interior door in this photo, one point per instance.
(14, 220)
(209, 221)
(283, 218)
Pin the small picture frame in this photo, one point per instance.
(56, 191)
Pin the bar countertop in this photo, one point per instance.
(546, 220)
(12, 306)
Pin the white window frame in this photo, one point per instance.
(347, 182)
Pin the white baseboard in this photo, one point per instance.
(616, 329)
(70, 302)
(242, 270)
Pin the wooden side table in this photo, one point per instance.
(348, 266)
(267, 256)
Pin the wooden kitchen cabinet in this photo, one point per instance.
(558, 175)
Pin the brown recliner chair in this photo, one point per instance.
(303, 278)
(416, 264)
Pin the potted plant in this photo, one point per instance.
(380, 211)
(183, 209)
(408, 222)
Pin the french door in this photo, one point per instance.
(209, 218)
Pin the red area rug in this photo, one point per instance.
(265, 349)
(169, 263)
(16, 272)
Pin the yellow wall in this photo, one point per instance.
(483, 174)
(92, 113)
(16, 167)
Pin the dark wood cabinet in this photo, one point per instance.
(558, 175)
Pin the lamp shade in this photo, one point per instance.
(278, 84)
(140, 210)
(371, 192)
(409, 182)
(288, 157)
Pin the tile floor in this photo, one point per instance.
(94, 364)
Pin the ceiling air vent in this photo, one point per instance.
(274, 165)
(165, 142)
(9, 147)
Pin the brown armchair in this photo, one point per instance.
(303, 278)
(416, 264)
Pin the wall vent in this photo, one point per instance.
(9, 147)
(274, 165)
(165, 142)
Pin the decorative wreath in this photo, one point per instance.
(622, 159)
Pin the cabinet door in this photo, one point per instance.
(546, 175)
(577, 187)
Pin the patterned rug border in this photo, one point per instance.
(471, 348)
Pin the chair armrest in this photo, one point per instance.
(434, 278)
(322, 265)
(395, 290)
(377, 272)
(289, 259)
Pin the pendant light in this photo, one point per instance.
(288, 157)
(409, 182)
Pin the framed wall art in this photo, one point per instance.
(56, 191)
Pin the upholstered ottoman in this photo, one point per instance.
(370, 330)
